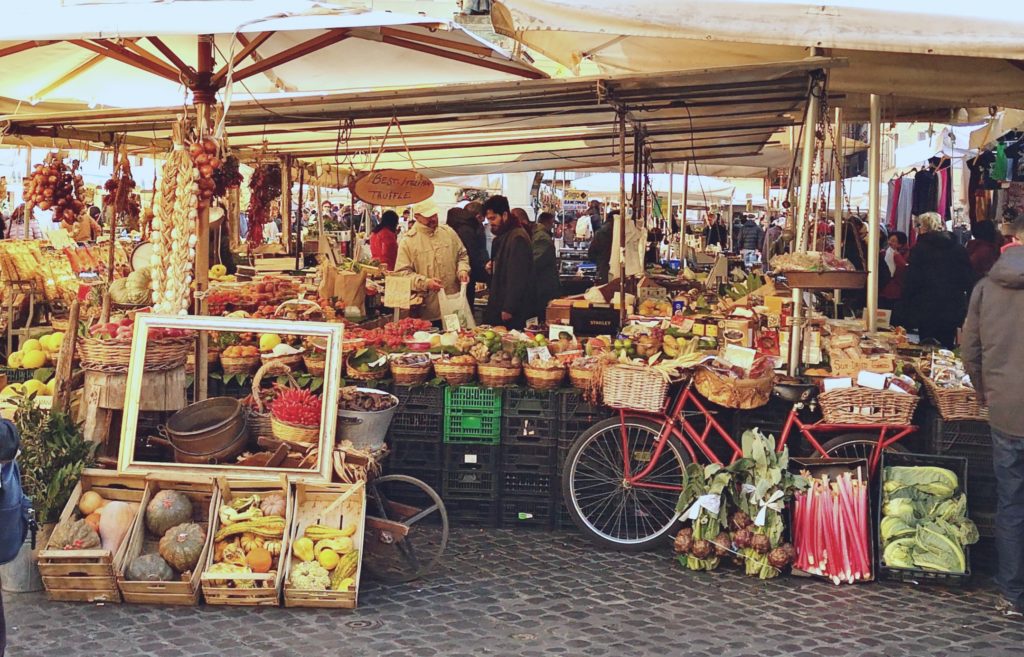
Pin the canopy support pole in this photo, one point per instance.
(671, 178)
(837, 181)
(806, 165)
(621, 241)
(874, 214)
(202, 94)
(682, 213)
(298, 219)
(286, 202)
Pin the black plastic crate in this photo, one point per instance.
(571, 429)
(421, 398)
(957, 465)
(416, 454)
(518, 401)
(528, 512)
(572, 405)
(417, 425)
(529, 458)
(967, 438)
(529, 431)
(472, 512)
(476, 484)
(528, 484)
(472, 457)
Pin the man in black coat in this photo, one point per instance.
(511, 300)
(470, 231)
(600, 250)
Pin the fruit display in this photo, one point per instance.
(173, 236)
(351, 398)
(203, 155)
(240, 351)
(219, 274)
(256, 550)
(264, 186)
(367, 360)
(133, 290)
(324, 559)
(54, 185)
(297, 407)
(655, 308)
(123, 328)
(37, 352)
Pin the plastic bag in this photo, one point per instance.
(457, 304)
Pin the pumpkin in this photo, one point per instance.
(273, 505)
(116, 519)
(182, 546)
(94, 520)
(73, 534)
(251, 541)
(259, 560)
(149, 568)
(167, 509)
(273, 547)
(90, 502)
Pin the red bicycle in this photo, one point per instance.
(622, 477)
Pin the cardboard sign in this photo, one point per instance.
(397, 292)
(392, 187)
(537, 353)
(555, 330)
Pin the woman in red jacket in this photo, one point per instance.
(384, 240)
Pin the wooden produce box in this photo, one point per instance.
(333, 505)
(90, 575)
(205, 501)
(221, 589)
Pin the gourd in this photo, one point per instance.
(74, 535)
(182, 546)
(90, 502)
(115, 521)
(259, 560)
(149, 568)
(94, 520)
(167, 509)
(273, 505)
(251, 541)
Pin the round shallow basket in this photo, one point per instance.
(634, 387)
(455, 374)
(113, 355)
(866, 406)
(726, 391)
(246, 365)
(581, 377)
(370, 375)
(315, 366)
(956, 404)
(410, 375)
(259, 419)
(495, 376)
(294, 432)
(544, 379)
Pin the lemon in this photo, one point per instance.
(35, 387)
(51, 386)
(33, 360)
(268, 341)
(14, 360)
(31, 345)
(56, 339)
(328, 559)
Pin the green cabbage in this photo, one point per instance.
(901, 508)
(895, 527)
(899, 553)
(934, 550)
(939, 482)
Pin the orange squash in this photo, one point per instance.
(94, 520)
(259, 560)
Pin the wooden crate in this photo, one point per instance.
(319, 503)
(89, 575)
(268, 591)
(205, 502)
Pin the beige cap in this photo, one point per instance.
(425, 208)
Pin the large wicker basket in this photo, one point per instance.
(369, 375)
(544, 378)
(113, 355)
(956, 404)
(866, 406)
(258, 419)
(244, 365)
(455, 374)
(581, 377)
(294, 432)
(733, 393)
(634, 387)
(315, 365)
(495, 376)
(410, 375)
(291, 360)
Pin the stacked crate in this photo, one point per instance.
(575, 415)
(415, 434)
(472, 455)
(971, 440)
(529, 457)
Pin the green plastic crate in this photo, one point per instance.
(472, 427)
(473, 399)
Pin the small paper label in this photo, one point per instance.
(555, 331)
(687, 325)
(469, 458)
(451, 323)
(537, 354)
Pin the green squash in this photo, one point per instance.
(149, 568)
(167, 509)
(182, 546)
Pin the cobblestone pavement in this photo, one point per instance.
(527, 593)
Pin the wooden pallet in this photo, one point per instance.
(333, 505)
(89, 575)
(268, 585)
(205, 502)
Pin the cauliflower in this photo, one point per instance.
(310, 576)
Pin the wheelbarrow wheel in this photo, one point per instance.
(406, 529)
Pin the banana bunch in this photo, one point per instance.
(676, 347)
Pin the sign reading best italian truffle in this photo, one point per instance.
(392, 187)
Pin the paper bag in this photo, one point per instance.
(457, 304)
(350, 289)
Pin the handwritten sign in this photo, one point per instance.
(451, 323)
(392, 187)
(397, 292)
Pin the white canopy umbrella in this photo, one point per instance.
(700, 187)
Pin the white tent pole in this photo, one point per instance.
(682, 212)
(671, 176)
(837, 178)
(874, 210)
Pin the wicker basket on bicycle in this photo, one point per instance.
(956, 404)
(732, 392)
(634, 387)
(858, 405)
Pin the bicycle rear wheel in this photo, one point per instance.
(856, 446)
(608, 510)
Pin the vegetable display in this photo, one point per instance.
(326, 559)
(298, 407)
(173, 236)
(204, 158)
(704, 502)
(264, 186)
(831, 529)
(351, 398)
(167, 509)
(249, 539)
(53, 185)
(924, 519)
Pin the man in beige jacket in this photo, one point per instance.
(435, 257)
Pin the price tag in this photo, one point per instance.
(345, 235)
(469, 458)
(451, 323)
(555, 331)
(537, 353)
(687, 325)
(397, 291)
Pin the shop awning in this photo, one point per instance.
(925, 57)
(493, 128)
(700, 187)
(144, 54)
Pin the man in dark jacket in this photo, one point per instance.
(717, 232)
(993, 353)
(751, 236)
(600, 250)
(545, 262)
(511, 301)
(470, 232)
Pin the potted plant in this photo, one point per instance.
(53, 454)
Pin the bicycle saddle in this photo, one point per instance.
(796, 392)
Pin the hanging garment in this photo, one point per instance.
(905, 208)
(944, 195)
(925, 191)
(1000, 167)
(893, 203)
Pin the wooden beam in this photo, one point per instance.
(68, 77)
(248, 48)
(134, 47)
(22, 47)
(172, 56)
(293, 53)
(465, 59)
(127, 57)
(482, 51)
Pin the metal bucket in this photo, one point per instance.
(365, 429)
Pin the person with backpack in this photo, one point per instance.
(16, 516)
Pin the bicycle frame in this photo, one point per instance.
(674, 422)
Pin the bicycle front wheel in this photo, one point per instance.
(609, 510)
